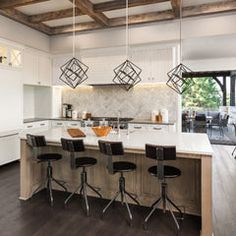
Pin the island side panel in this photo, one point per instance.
(31, 173)
(206, 207)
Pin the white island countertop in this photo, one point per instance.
(188, 143)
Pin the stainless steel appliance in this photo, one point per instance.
(114, 122)
(67, 110)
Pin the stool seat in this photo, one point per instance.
(169, 171)
(85, 161)
(123, 166)
(49, 157)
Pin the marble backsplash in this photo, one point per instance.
(108, 100)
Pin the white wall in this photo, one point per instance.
(24, 35)
(29, 102)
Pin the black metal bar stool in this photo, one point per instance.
(37, 143)
(116, 149)
(73, 147)
(163, 172)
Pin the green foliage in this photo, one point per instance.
(205, 93)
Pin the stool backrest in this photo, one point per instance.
(110, 149)
(160, 154)
(72, 146)
(36, 142)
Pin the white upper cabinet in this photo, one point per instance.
(155, 63)
(37, 69)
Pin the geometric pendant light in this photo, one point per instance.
(177, 80)
(127, 74)
(74, 72)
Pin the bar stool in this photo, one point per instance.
(116, 149)
(163, 172)
(73, 147)
(37, 143)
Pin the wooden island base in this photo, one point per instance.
(192, 189)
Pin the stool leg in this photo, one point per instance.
(173, 216)
(127, 206)
(49, 184)
(72, 194)
(56, 181)
(112, 200)
(92, 188)
(132, 197)
(155, 207)
(175, 206)
(85, 198)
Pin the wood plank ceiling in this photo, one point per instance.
(102, 14)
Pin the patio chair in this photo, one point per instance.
(221, 124)
(200, 124)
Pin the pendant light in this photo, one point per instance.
(127, 74)
(74, 71)
(176, 81)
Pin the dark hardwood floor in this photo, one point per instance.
(224, 191)
(36, 218)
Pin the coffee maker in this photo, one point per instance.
(67, 110)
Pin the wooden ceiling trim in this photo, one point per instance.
(78, 28)
(120, 4)
(86, 7)
(115, 22)
(18, 3)
(176, 7)
(22, 18)
(211, 8)
(55, 15)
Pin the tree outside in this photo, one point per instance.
(204, 93)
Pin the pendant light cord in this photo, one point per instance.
(180, 30)
(127, 30)
(73, 29)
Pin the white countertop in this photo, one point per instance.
(184, 142)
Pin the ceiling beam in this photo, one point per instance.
(211, 8)
(176, 7)
(18, 3)
(115, 22)
(86, 7)
(120, 4)
(22, 18)
(54, 15)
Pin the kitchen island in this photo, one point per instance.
(194, 157)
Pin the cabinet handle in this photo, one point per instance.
(59, 123)
(74, 124)
(39, 82)
(29, 126)
(42, 124)
(157, 128)
(137, 127)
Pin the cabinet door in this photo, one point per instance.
(141, 58)
(161, 64)
(44, 71)
(30, 68)
(9, 148)
(71, 124)
(137, 127)
(58, 123)
(158, 128)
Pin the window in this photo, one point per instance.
(3, 55)
(15, 58)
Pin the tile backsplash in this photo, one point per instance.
(108, 100)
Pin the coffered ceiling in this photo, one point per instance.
(54, 17)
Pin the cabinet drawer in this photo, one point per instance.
(37, 125)
(158, 128)
(73, 124)
(57, 123)
(137, 126)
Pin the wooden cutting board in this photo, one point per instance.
(76, 133)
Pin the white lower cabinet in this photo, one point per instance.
(9, 148)
(37, 125)
(152, 127)
(71, 124)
